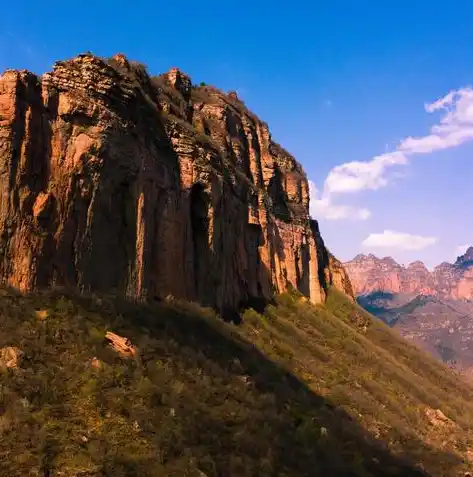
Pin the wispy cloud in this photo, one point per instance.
(357, 175)
(455, 128)
(397, 240)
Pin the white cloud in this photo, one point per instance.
(454, 128)
(461, 249)
(398, 240)
(356, 176)
(322, 207)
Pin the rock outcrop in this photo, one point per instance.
(369, 274)
(10, 357)
(120, 344)
(112, 180)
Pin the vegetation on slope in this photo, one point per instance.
(296, 391)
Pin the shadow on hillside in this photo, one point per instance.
(294, 416)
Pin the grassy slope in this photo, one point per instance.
(299, 391)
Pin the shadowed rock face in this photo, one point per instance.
(114, 181)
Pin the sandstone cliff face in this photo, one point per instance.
(369, 274)
(114, 181)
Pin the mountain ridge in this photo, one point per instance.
(369, 273)
(466, 257)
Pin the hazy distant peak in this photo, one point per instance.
(390, 261)
(386, 275)
(417, 264)
(443, 265)
(361, 257)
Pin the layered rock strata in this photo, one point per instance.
(115, 181)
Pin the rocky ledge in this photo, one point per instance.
(115, 181)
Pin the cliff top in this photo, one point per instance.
(174, 87)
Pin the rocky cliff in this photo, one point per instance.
(369, 273)
(112, 180)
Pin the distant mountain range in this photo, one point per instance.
(432, 308)
(369, 273)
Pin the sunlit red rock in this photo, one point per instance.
(115, 181)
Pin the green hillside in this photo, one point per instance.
(297, 391)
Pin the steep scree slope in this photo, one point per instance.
(115, 181)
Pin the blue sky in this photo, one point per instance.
(338, 82)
